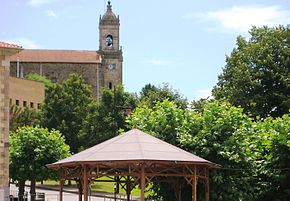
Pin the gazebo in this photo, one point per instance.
(132, 158)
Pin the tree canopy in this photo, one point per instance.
(107, 116)
(256, 74)
(254, 153)
(209, 134)
(150, 94)
(31, 148)
(65, 107)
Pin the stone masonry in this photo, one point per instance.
(4, 118)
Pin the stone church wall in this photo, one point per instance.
(58, 72)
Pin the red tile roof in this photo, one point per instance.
(57, 56)
(9, 45)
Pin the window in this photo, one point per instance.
(110, 85)
(109, 40)
(17, 102)
(38, 105)
(24, 103)
(31, 105)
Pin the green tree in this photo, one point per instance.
(209, 134)
(22, 117)
(256, 74)
(105, 118)
(151, 94)
(65, 107)
(164, 120)
(267, 143)
(39, 78)
(31, 148)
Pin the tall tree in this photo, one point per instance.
(65, 107)
(209, 134)
(267, 143)
(108, 116)
(257, 72)
(150, 94)
(31, 148)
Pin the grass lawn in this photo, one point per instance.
(107, 187)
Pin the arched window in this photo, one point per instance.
(109, 40)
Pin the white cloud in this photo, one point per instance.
(243, 18)
(158, 62)
(50, 13)
(24, 42)
(37, 3)
(203, 93)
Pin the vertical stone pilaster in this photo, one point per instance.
(4, 127)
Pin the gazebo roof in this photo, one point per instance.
(133, 145)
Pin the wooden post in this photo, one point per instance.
(194, 183)
(85, 182)
(128, 188)
(207, 184)
(61, 184)
(80, 190)
(178, 190)
(142, 183)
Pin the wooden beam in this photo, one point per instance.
(142, 183)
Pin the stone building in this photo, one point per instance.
(6, 50)
(100, 68)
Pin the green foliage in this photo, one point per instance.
(268, 145)
(31, 148)
(66, 106)
(108, 116)
(256, 75)
(40, 78)
(163, 120)
(22, 117)
(151, 94)
(210, 134)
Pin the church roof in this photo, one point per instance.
(57, 56)
(133, 145)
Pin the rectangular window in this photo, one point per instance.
(17, 102)
(38, 105)
(24, 103)
(31, 105)
(110, 85)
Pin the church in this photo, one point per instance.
(100, 68)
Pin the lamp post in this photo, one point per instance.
(128, 110)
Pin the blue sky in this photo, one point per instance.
(183, 43)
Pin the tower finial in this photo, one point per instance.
(109, 6)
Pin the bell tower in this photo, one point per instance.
(110, 50)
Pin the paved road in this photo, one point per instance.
(52, 195)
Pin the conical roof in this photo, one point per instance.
(133, 145)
